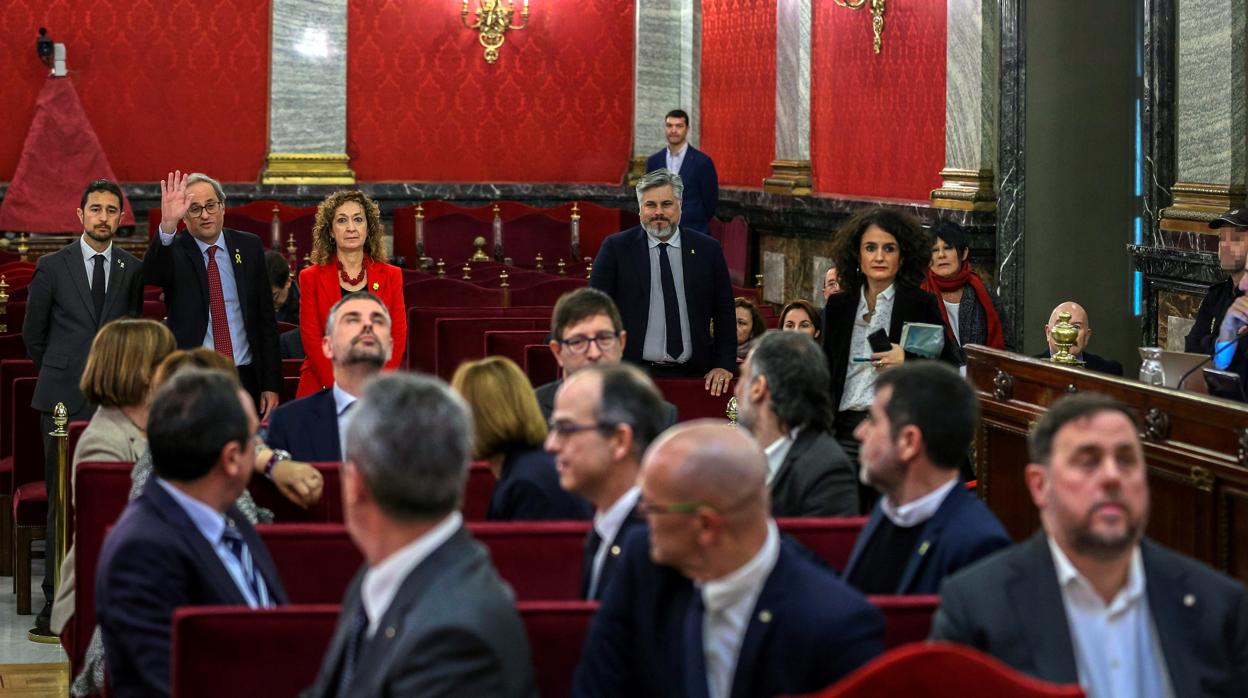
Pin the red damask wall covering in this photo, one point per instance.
(878, 121)
(422, 104)
(165, 84)
(738, 88)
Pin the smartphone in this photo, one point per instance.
(879, 341)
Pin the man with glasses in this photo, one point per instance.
(586, 330)
(713, 603)
(605, 417)
(216, 284)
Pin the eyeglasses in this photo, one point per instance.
(580, 344)
(211, 207)
(564, 429)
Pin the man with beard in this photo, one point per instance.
(74, 292)
(357, 342)
(1088, 598)
(672, 288)
(694, 166)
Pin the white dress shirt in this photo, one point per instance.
(729, 603)
(382, 581)
(675, 160)
(342, 404)
(88, 254)
(608, 524)
(921, 509)
(860, 376)
(777, 451)
(1115, 645)
(655, 345)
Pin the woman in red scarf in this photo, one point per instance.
(971, 310)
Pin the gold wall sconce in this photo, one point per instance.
(877, 17)
(493, 20)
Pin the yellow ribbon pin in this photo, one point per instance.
(238, 258)
(376, 285)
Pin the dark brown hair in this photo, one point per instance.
(912, 242)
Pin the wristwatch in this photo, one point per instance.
(278, 456)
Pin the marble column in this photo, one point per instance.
(971, 65)
(790, 171)
(1211, 129)
(308, 93)
(667, 72)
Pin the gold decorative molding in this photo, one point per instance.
(965, 190)
(493, 21)
(636, 168)
(307, 168)
(877, 18)
(789, 177)
(1197, 203)
(1202, 478)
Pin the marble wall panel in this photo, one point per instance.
(799, 258)
(793, 80)
(774, 289)
(1176, 311)
(1212, 112)
(818, 273)
(668, 66)
(308, 77)
(971, 84)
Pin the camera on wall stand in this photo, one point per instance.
(52, 54)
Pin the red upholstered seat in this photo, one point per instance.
(477, 492)
(422, 343)
(556, 631)
(10, 371)
(747, 293)
(449, 237)
(463, 339)
(526, 236)
(830, 538)
(30, 504)
(12, 346)
(906, 618)
(540, 365)
(541, 560)
(512, 343)
(154, 310)
(328, 509)
(104, 488)
(692, 400)
(449, 292)
(14, 315)
(547, 292)
(315, 560)
(940, 670)
(273, 652)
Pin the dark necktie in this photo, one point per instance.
(216, 307)
(671, 305)
(696, 685)
(355, 631)
(593, 541)
(97, 287)
(238, 547)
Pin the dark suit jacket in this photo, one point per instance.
(1092, 362)
(307, 427)
(807, 630)
(1011, 607)
(1204, 333)
(528, 490)
(961, 532)
(154, 561)
(910, 304)
(61, 322)
(546, 401)
(815, 479)
(701, 195)
(179, 269)
(622, 271)
(610, 563)
(451, 630)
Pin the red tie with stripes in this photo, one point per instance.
(216, 307)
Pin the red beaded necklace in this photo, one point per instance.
(347, 280)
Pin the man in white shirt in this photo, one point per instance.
(603, 421)
(1089, 598)
(427, 614)
(713, 603)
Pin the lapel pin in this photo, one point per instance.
(615, 550)
(692, 251)
(376, 285)
(1189, 600)
(923, 548)
(121, 264)
(390, 632)
(238, 258)
(764, 616)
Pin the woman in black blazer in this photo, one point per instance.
(882, 256)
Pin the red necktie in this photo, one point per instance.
(216, 307)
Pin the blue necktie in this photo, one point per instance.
(671, 305)
(592, 542)
(238, 547)
(357, 626)
(696, 685)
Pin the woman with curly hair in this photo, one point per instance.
(882, 257)
(348, 255)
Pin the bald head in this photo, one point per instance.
(710, 462)
(1078, 318)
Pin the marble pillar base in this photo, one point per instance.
(307, 168)
(789, 177)
(965, 190)
(1196, 203)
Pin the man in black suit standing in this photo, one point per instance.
(694, 166)
(427, 614)
(1079, 318)
(1089, 598)
(782, 399)
(216, 284)
(74, 292)
(604, 420)
(672, 288)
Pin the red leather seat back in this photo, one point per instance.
(105, 488)
(449, 237)
(463, 339)
(557, 631)
(27, 434)
(422, 343)
(10, 371)
(446, 292)
(316, 561)
(477, 492)
(830, 538)
(692, 400)
(536, 233)
(14, 315)
(541, 560)
(906, 618)
(540, 365)
(12, 346)
(512, 343)
(547, 292)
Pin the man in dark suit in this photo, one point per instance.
(427, 614)
(1079, 318)
(925, 526)
(182, 542)
(586, 330)
(216, 284)
(604, 420)
(672, 288)
(357, 342)
(1088, 598)
(713, 603)
(694, 166)
(782, 399)
(74, 292)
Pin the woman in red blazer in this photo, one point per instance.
(348, 253)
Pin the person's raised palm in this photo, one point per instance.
(173, 201)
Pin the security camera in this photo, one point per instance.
(43, 46)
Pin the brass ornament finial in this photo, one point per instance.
(22, 248)
(731, 412)
(493, 21)
(1064, 336)
(478, 254)
(538, 261)
(441, 267)
(4, 304)
(60, 418)
(467, 269)
(502, 279)
(563, 267)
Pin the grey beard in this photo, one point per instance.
(655, 231)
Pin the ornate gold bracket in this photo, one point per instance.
(1197, 203)
(307, 168)
(877, 17)
(493, 22)
(965, 190)
(1002, 386)
(789, 177)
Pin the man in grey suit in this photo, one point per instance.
(427, 615)
(74, 292)
(1089, 598)
(782, 399)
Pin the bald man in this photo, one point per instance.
(712, 602)
(1079, 318)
